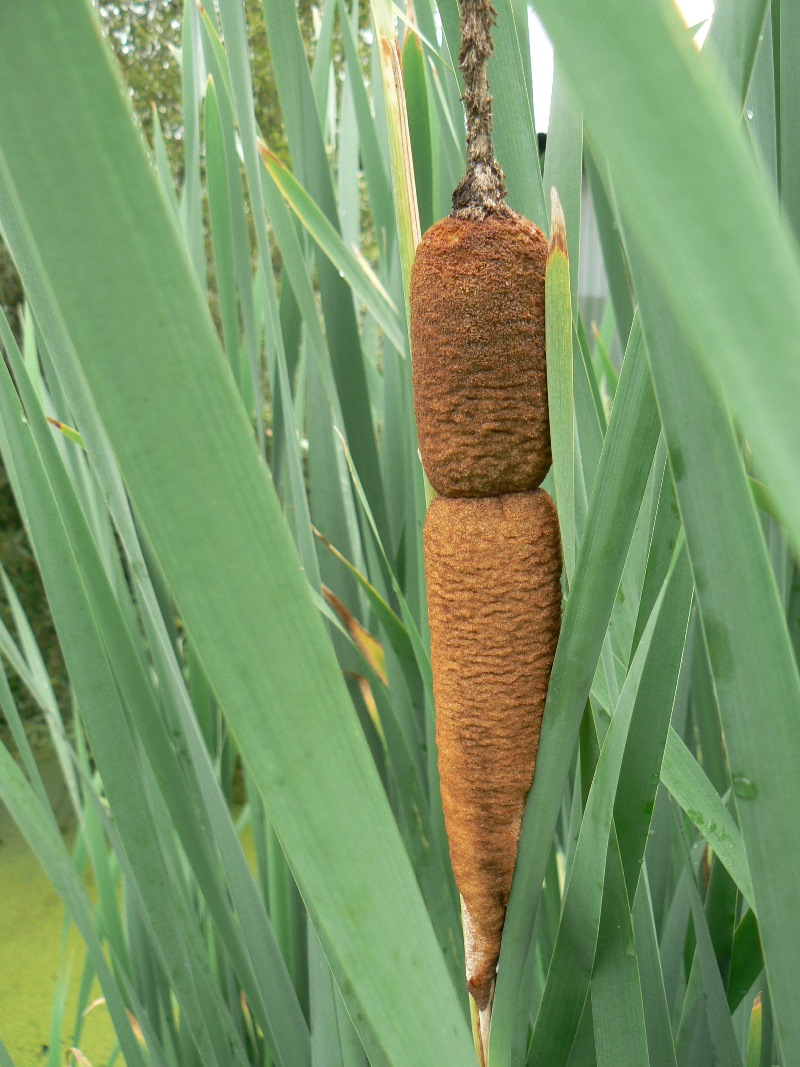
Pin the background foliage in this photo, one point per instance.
(206, 420)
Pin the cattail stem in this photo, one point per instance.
(482, 190)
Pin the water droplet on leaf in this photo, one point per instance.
(744, 787)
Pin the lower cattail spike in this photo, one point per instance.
(493, 569)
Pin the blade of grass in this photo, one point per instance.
(666, 530)
(365, 285)
(193, 78)
(321, 74)
(219, 201)
(683, 776)
(419, 127)
(734, 37)
(513, 129)
(325, 1041)
(349, 171)
(721, 906)
(647, 740)
(723, 1040)
(257, 935)
(563, 168)
(215, 61)
(659, 1030)
(616, 269)
(762, 102)
(99, 696)
(559, 379)
(589, 417)
(307, 149)
(620, 1033)
(377, 180)
(789, 140)
(449, 147)
(402, 160)
(281, 1013)
(746, 960)
(14, 723)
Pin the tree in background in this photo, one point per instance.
(146, 36)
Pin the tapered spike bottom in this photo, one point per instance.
(493, 568)
(478, 344)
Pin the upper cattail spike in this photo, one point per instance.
(482, 191)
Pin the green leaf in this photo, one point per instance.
(378, 183)
(219, 200)
(573, 956)
(386, 57)
(621, 478)
(636, 794)
(353, 268)
(100, 690)
(746, 960)
(310, 162)
(559, 380)
(723, 1040)
(563, 167)
(186, 452)
(734, 37)
(659, 1030)
(693, 190)
(617, 1005)
(419, 127)
(683, 776)
(745, 631)
(513, 130)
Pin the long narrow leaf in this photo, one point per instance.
(692, 188)
(279, 685)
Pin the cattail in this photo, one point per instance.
(491, 540)
(493, 569)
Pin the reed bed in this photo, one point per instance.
(228, 518)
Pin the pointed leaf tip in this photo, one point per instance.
(558, 226)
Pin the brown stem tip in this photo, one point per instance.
(482, 191)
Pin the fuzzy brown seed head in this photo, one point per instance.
(478, 348)
(493, 569)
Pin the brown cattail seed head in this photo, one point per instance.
(493, 569)
(478, 345)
